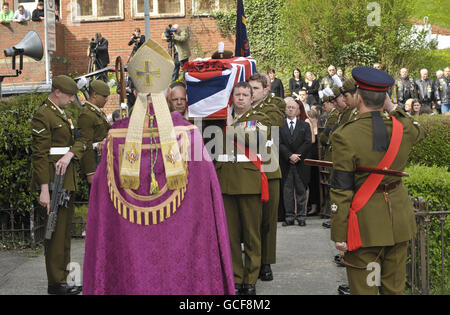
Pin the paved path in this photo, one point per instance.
(304, 265)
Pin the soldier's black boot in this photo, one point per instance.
(265, 273)
(249, 289)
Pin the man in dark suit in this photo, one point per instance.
(295, 142)
(102, 55)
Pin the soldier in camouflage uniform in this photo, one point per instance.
(53, 148)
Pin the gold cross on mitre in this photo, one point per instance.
(151, 54)
(151, 61)
(147, 73)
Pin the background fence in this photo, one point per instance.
(428, 269)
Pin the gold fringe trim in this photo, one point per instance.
(134, 213)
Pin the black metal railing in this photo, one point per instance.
(17, 229)
(428, 269)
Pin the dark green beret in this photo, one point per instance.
(349, 86)
(100, 87)
(336, 91)
(325, 99)
(65, 84)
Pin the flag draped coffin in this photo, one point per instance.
(209, 83)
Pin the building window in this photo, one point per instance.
(159, 8)
(205, 7)
(97, 10)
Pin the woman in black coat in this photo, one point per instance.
(276, 86)
(312, 89)
(296, 83)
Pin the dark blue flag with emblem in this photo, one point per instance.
(242, 46)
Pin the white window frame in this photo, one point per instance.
(209, 13)
(155, 13)
(94, 17)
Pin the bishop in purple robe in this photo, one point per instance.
(169, 242)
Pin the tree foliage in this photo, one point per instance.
(350, 33)
(312, 35)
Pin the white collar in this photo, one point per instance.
(293, 120)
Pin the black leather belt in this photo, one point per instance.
(384, 187)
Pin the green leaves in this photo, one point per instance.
(15, 148)
(435, 148)
(312, 35)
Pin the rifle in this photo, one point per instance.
(60, 197)
(359, 168)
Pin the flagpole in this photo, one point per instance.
(147, 18)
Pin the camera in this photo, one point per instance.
(92, 45)
(169, 32)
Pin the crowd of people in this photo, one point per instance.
(430, 94)
(257, 188)
(22, 15)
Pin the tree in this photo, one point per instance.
(316, 34)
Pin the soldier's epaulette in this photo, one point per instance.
(399, 111)
(349, 122)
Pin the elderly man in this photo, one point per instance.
(327, 81)
(425, 91)
(177, 99)
(404, 88)
(295, 143)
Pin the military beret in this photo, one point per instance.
(371, 79)
(65, 84)
(100, 87)
(336, 92)
(349, 86)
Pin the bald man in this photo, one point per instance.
(425, 91)
(404, 88)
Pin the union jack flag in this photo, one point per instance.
(209, 83)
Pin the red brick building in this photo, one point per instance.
(116, 20)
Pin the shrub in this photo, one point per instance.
(435, 148)
(433, 184)
(16, 114)
(15, 151)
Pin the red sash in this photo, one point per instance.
(368, 188)
(257, 162)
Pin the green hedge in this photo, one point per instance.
(433, 184)
(15, 151)
(16, 114)
(435, 148)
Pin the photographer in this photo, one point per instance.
(102, 55)
(137, 39)
(180, 36)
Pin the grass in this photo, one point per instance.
(436, 10)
